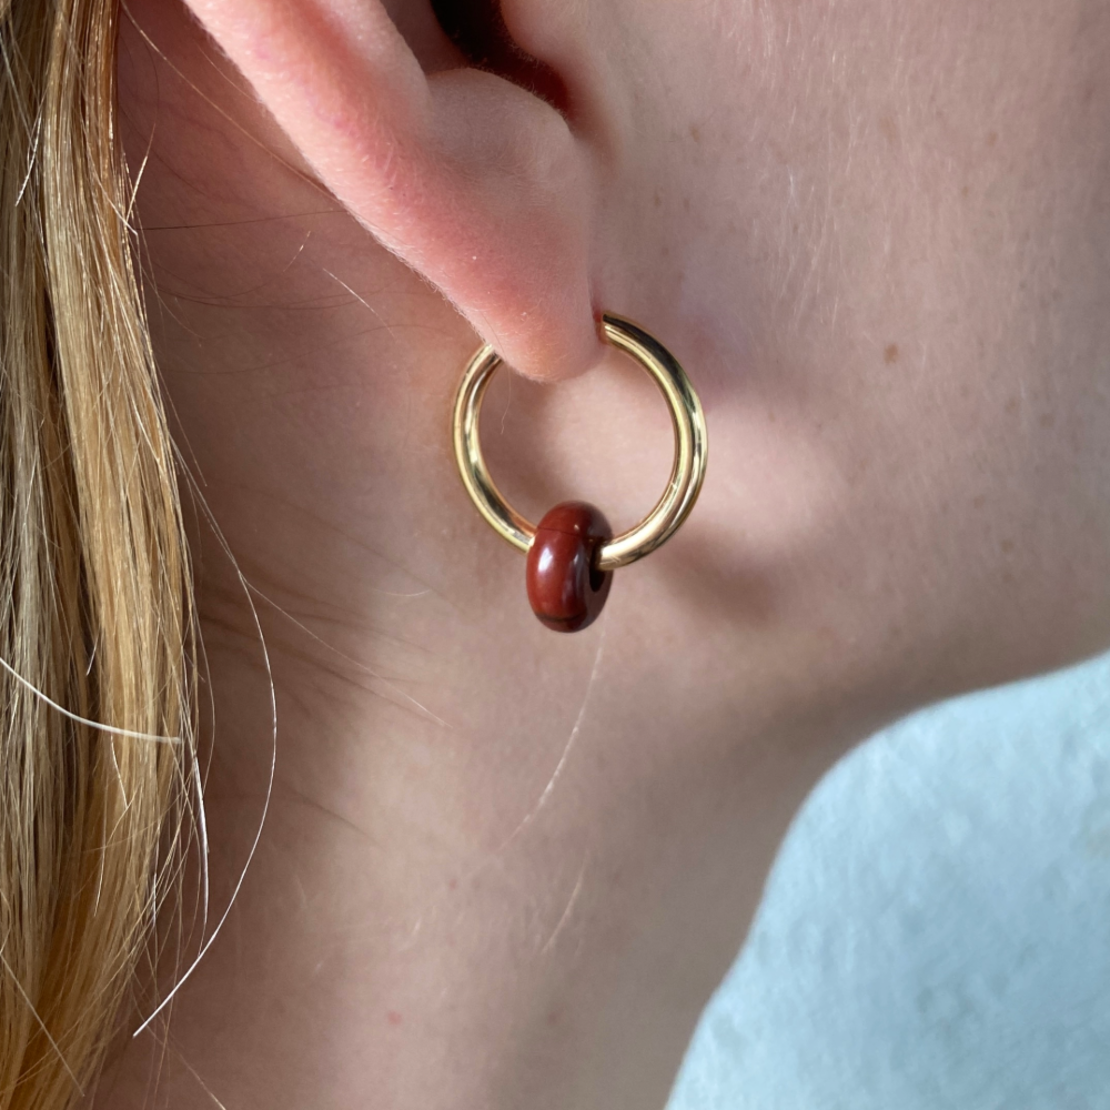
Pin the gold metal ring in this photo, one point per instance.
(690, 439)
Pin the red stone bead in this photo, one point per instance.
(565, 588)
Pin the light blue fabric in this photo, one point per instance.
(936, 931)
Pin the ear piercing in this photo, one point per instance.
(572, 552)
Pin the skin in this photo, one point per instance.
(504, 868)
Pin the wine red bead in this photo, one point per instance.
(565, 588)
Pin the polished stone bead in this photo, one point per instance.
(565, 588)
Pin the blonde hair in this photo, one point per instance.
(96, 626)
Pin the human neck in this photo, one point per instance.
(460, 916)
(500, 867)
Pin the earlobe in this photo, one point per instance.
(475, 182)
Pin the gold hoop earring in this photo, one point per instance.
(572, 552)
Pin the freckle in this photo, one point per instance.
(887, 127)
(695, 133)
(553, 1017)
(1011, 406)
(1008, 577)
(978, 501)
(394, 1017)
(992, 138)
(686, 204)
(453, 884)
(890, 355)
(1007, 547)
(965, 191)
(1047, 420)
(658, 199)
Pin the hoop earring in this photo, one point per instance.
(571, 552)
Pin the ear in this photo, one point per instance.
(470, 179)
